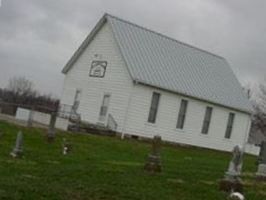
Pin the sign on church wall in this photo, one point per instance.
(98, 68)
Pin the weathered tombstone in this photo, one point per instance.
(66, 146)
(51, 130)
(235, 165)
(18, 151)
(261, 173)
(232, 180)
(30, 118)
(153, 163)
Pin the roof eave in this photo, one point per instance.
(84, 44)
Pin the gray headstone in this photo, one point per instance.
(232, 181)
(51, 130)
(18, 151)
(153, 163)
(235, 165)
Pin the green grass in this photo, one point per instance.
(108, 168)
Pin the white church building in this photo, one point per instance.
(143, 83)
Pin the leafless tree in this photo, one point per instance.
(262, 97)
(20, 86)
(259, 116)
(21, 93)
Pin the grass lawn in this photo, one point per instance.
(108, 168)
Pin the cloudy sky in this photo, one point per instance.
(37, 37)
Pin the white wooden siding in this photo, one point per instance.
(191, 133)
(124, 93)
(116, 82)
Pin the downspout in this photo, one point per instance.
(127, 110)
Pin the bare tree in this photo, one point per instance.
(262, 97)
(259, 116)
(20, 92)
(20, 86)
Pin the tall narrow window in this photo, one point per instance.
(229, 127)
(182, 114)
(154, 107)
(76, 100)
(207, 120)
(104, 107)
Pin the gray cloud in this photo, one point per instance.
(38, 37)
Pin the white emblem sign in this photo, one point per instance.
(98, 68)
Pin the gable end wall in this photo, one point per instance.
(116, 82)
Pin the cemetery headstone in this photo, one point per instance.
(153, 163)
(261, 173)
(18, 151)
(51, 129)
(66, 146)
(232, 180)
(235, 165)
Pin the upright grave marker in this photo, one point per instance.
(18, 151)
(153, 163)
(232, 181)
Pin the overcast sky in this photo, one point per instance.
(37, 37)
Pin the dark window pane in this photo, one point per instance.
(229, 127)
(104, 106)
(182, 114)
(103, 111)
(154, 107)
(207, 120)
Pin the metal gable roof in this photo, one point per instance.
(160, 61)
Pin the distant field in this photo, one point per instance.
(108, 168)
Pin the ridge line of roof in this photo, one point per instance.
(163, 35)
